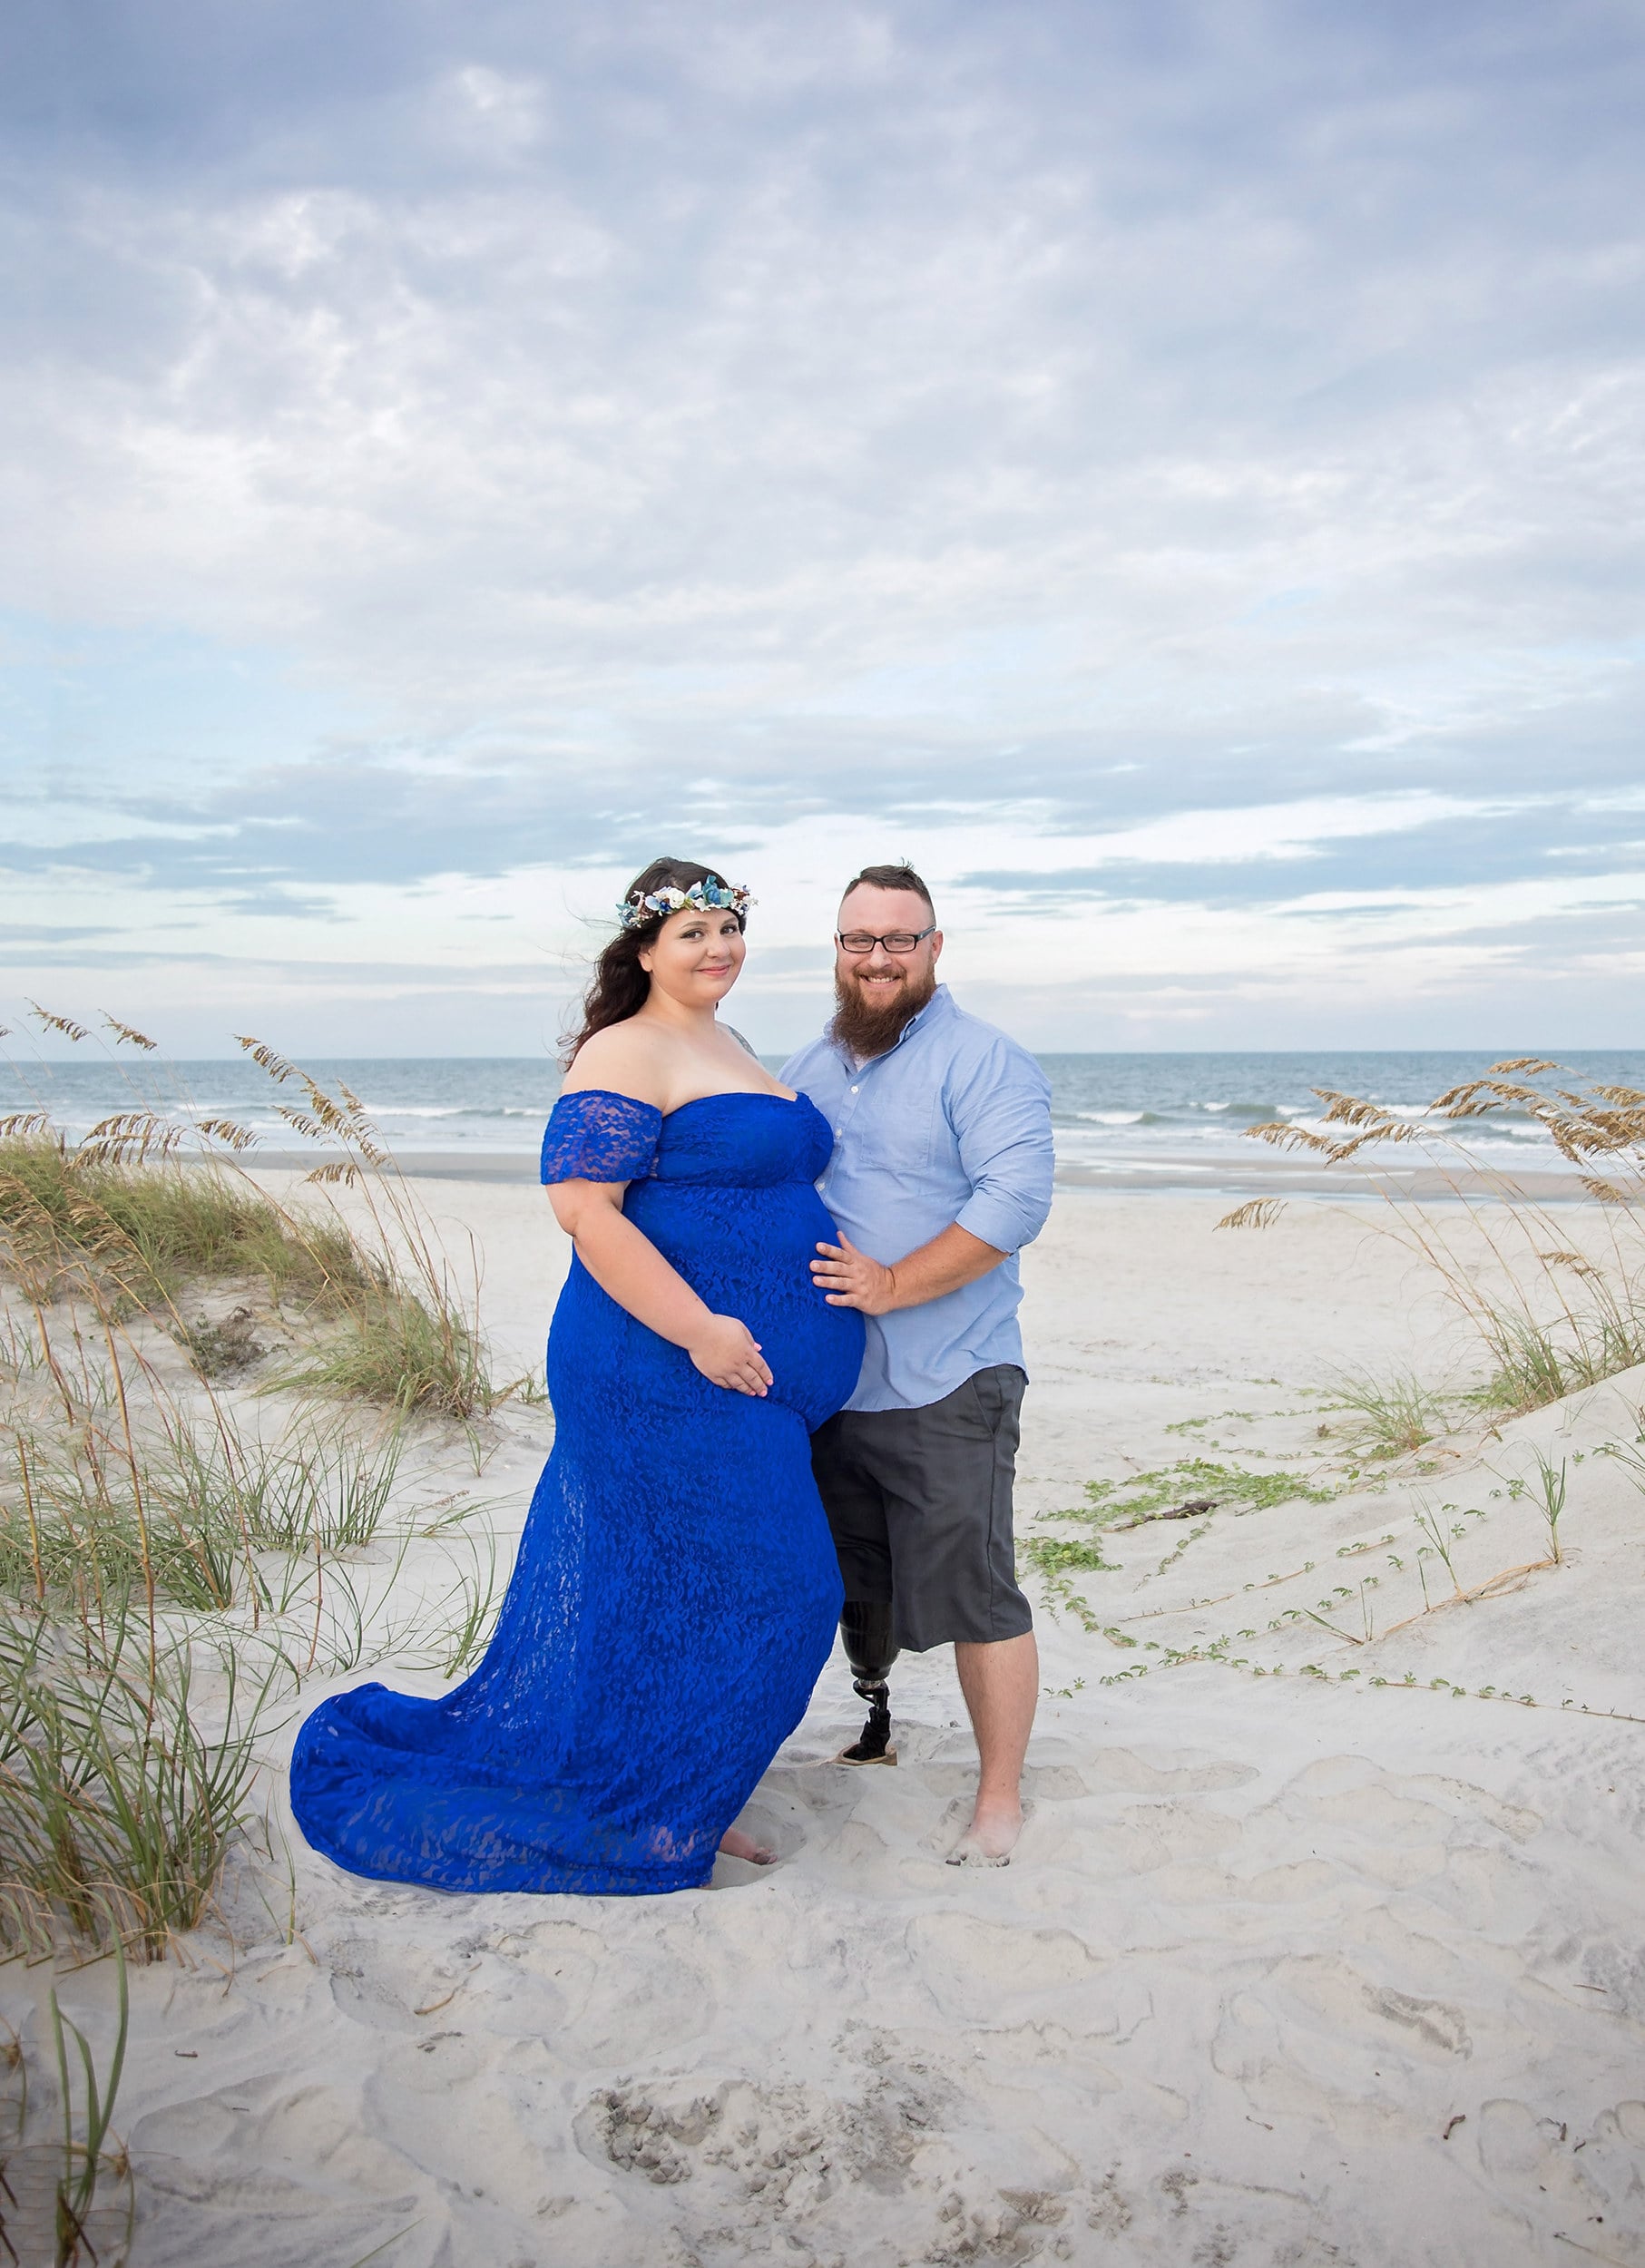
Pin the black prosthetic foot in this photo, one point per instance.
(865, 1630)
(873, 1744)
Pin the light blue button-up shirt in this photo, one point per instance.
(951, 1124)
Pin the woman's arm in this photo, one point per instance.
(624, 1262)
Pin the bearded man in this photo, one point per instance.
(941, 1169)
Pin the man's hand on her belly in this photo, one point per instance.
(850, 1278)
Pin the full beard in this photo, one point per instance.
(869, 1027)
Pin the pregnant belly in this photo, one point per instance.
(814, 1354)
(748, 1253)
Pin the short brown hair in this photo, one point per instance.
(891, 878)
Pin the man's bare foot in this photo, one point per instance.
(736, 1845)
(991, 1838)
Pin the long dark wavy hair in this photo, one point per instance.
(620, 985)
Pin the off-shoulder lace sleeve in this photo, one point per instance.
(596, 1136)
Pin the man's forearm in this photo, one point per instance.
(848, 1278)
(951, 1260)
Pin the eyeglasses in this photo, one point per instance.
(857, 941)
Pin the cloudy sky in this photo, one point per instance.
(1171, 470)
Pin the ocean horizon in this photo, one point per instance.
(1159, 1118)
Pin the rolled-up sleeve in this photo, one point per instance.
(1000, 1109)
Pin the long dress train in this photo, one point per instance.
(676, 1591)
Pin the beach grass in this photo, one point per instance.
(405, 1351)
(169, 1580)
(70, 2200)
(1391, 1415)
(117, 1805)
(174, 1564)
(153, 1226)
(373, 1299)
(1536, 1359)
(119, 1788)
(153, 1232)
(83, 2162)
(1554, 1290)
(188, 1511)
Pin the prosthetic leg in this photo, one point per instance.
(865, 1630)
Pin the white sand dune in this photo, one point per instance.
(1292, 1968)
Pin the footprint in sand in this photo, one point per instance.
(600, 2012)
(961, 1957)
(1123, 1771)
(781, 2149)
(1042, 1783)
(269, 2168)
(374, 1987)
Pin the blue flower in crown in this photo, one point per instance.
(657, 905)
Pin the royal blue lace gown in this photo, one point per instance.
(676, 1593)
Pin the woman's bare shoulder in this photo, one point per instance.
(620, 1060)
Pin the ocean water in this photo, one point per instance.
(1166, 1120)
(1187, 1117)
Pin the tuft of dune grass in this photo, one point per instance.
(1535, 1361)
(155, 1229)
(116, 1807)
(1389, 1416)
(394, 1348)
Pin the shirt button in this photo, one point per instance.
(856, 1091)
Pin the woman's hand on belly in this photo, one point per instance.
(728, 1354)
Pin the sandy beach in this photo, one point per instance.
(1322, 1943)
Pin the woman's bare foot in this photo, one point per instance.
(736, 1845)
(991, 1838)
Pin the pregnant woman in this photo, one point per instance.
(677, 1589)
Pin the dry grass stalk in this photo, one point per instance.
(409, 1338)
(1257, 1212)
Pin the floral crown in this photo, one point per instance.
(646, 905)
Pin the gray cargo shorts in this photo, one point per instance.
(919, 1502)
